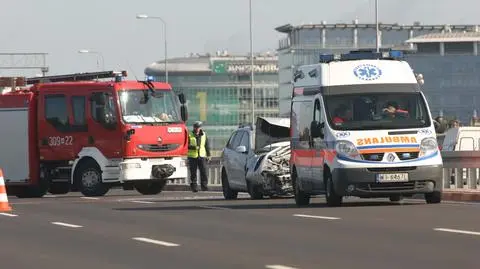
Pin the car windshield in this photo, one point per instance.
(376, 110)
(145, 106)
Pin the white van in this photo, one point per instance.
(361, 126)
(462, 138)
(465, 138)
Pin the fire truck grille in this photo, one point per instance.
(158, 148)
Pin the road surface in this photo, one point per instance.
(181, 230)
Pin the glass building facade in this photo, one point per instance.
(451, 69)
(218, 90)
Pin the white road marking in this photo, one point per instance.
(49, 196)
(156, 242)
(212, 207)
(456, 231)
(90, 198)
(8, 215)
(67, 224)
(315, 217)
(143, 202)
(279, 267)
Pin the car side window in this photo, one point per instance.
(232, 140)
(237, 140)
(245, 141)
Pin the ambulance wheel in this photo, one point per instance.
(433, 197)
(59, 188)
(150, 188)
(228, 193)
(332, 198)
(396, 198)
(301, 197)
(88, 177)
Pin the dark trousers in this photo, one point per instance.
(201, 164)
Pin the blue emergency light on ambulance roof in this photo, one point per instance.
(361, 55)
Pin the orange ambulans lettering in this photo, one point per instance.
(386, 140)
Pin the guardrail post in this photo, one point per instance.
(447, 178)
(459, 178)
(472, 178)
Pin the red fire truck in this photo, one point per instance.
(78, 133)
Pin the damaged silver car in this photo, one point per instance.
(256, 160)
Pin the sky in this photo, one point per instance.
(62, 27)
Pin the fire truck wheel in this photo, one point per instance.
(31, 192)
(301, 198)
(59, 188)
(228, 193)
(150, 188)
(332, 198)
(89, 179)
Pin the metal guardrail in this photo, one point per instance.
(213, 173)
(461, 171)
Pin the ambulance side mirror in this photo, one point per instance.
(316, 129)
(439, 128)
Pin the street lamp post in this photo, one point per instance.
(144, 16)
(99, 54)
(376, 26)
(252, 81)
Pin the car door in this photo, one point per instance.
(237, 156)
(243, 158)
(229, 156)
(318, 144)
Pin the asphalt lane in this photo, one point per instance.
(185, 230)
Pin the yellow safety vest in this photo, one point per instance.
(200, 151)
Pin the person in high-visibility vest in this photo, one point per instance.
(198, 155)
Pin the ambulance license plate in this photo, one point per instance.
(402, 177)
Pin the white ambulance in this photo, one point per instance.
(361, 126)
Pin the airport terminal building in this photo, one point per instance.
(218, 89)
(447, 56)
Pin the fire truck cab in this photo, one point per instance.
(75, 132)
(361, 126)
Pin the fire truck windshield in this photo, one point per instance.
(142, 106)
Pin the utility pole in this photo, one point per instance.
(252, 81)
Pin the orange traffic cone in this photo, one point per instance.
(4, 205)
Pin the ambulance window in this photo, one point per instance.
(301, 118)
(318, 112)
(78, 107)
(56, 112)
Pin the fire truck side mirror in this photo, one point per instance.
(184, 112)
(181, 98)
